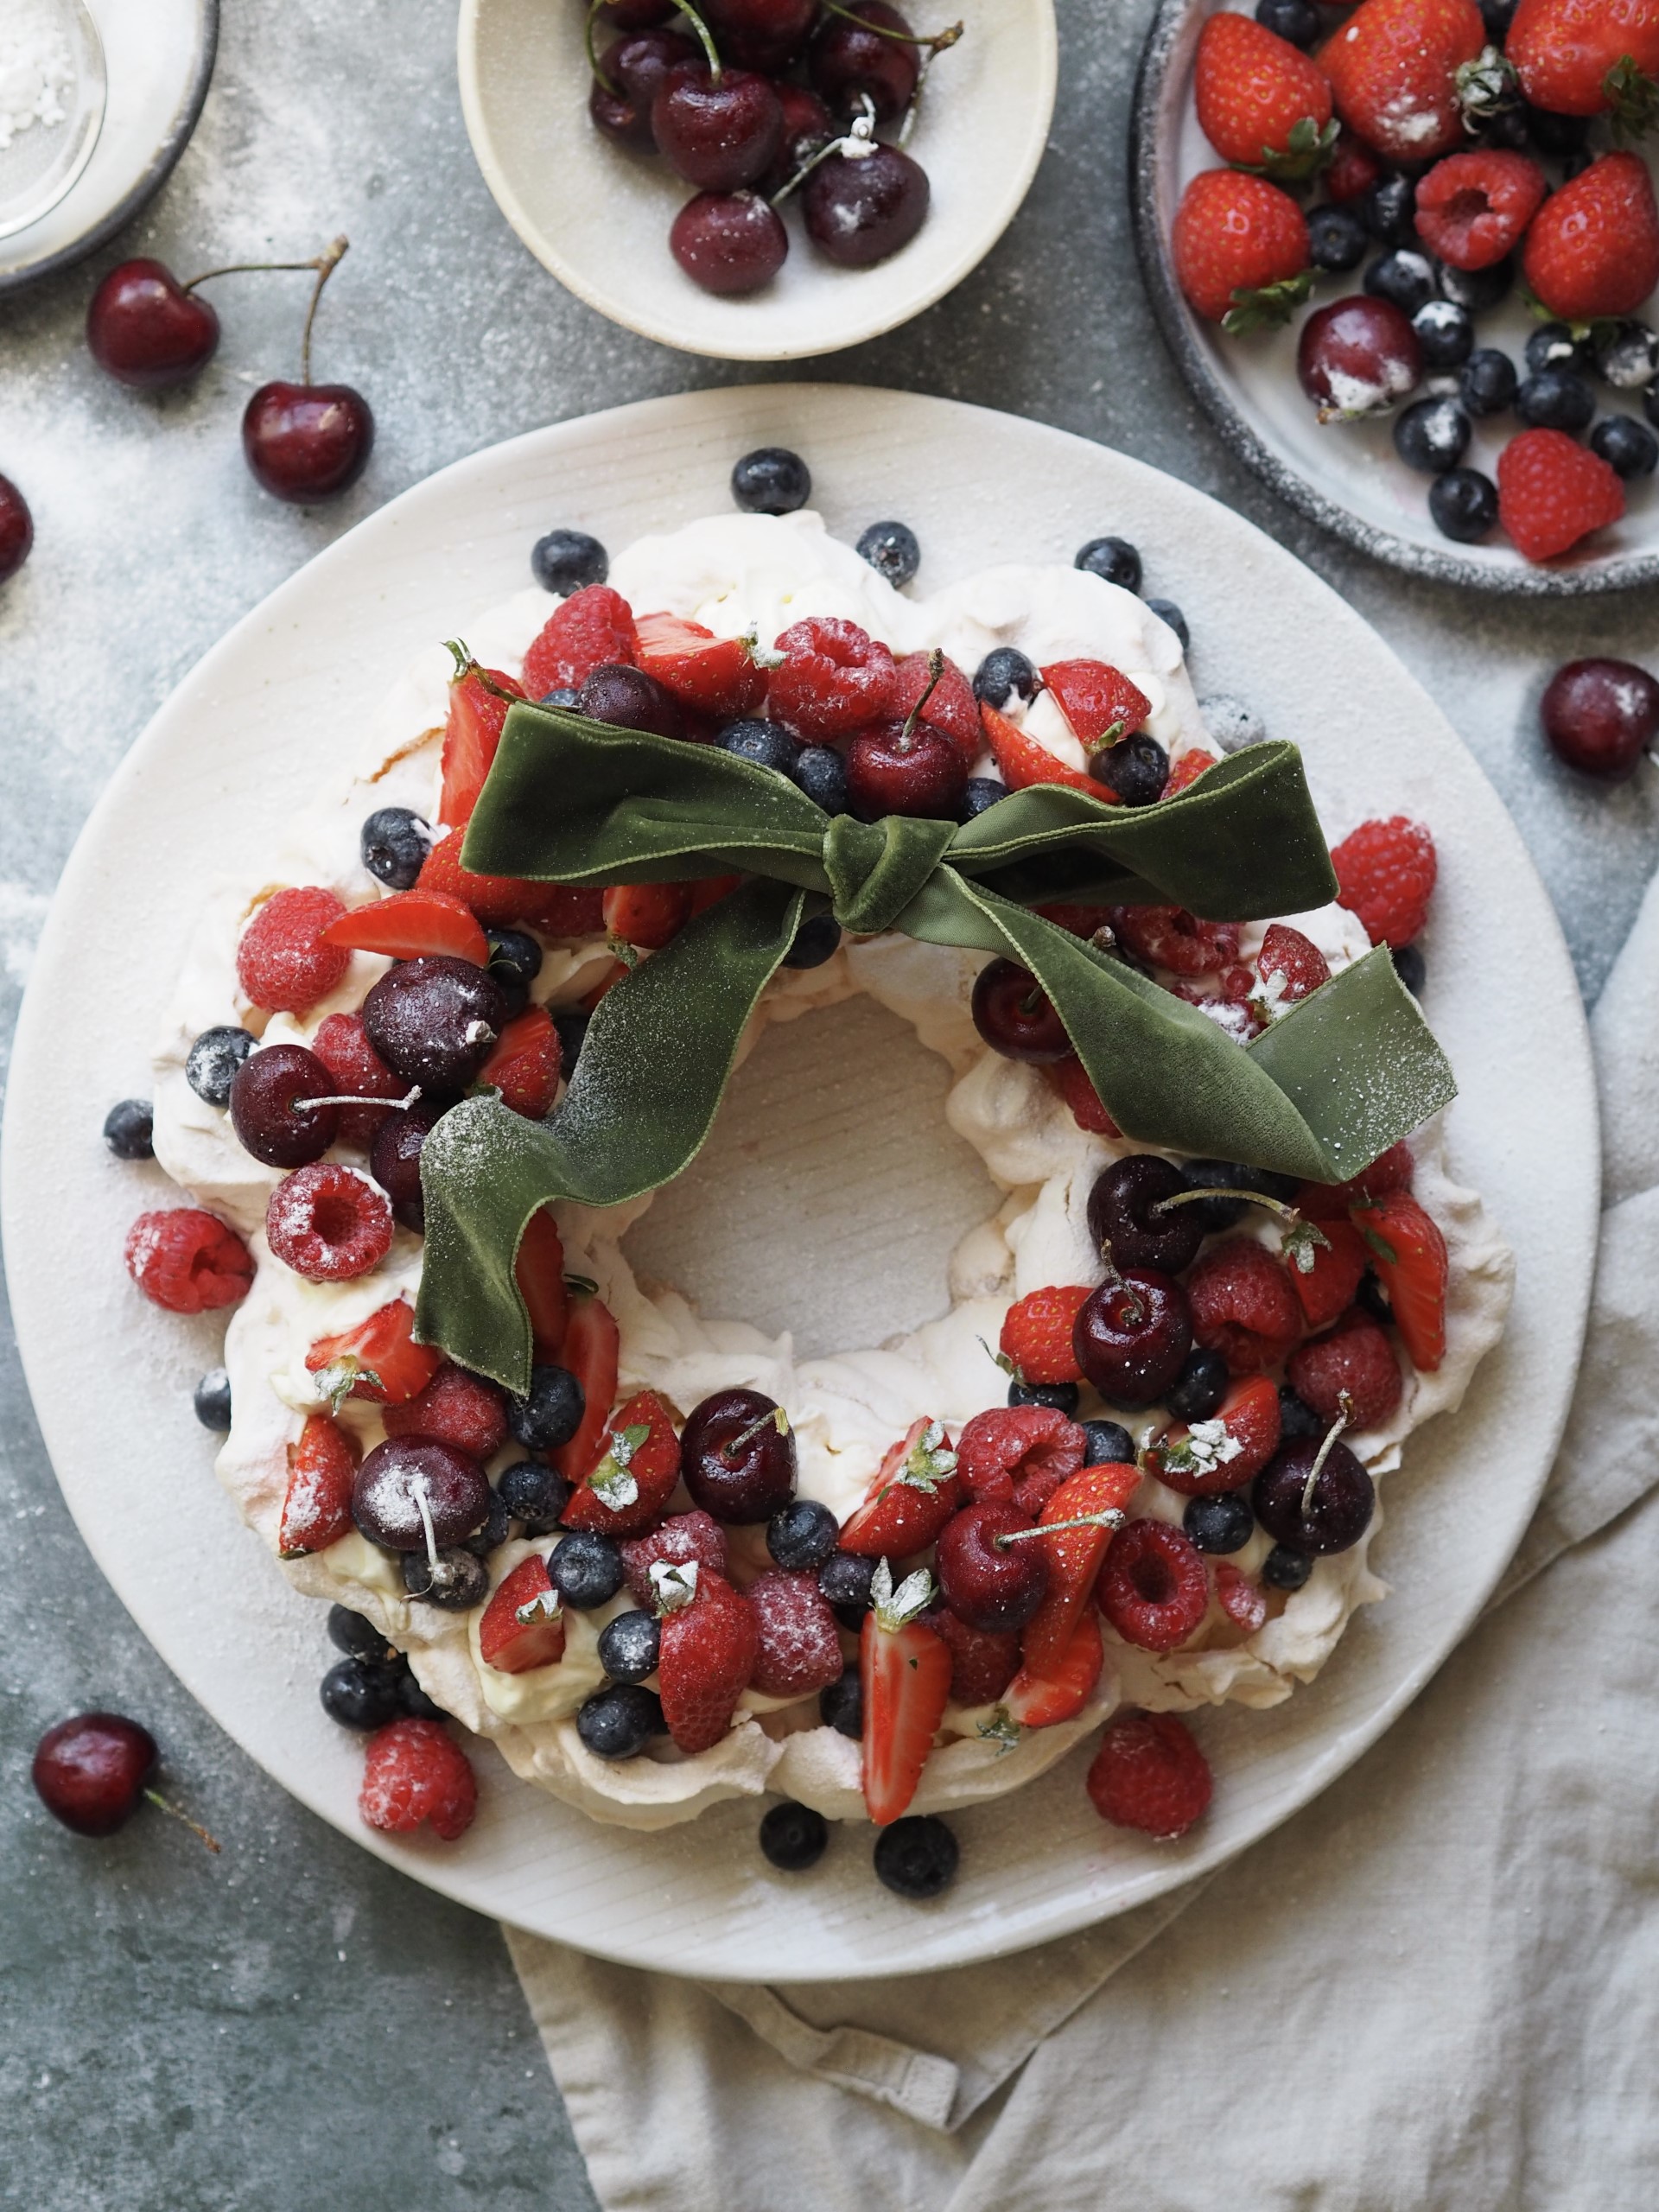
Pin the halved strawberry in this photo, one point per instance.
(591, 629)
(1037, 1698)
(538, 1270)
(1074, 1557)
(317, 1503)
(615, 974)
(1225, 1451)
(591, 1348)
(1408, 1252)
(1098, 700)
(497, 901)
(710, 1640)
(914, 1493)
(524, 1063)
(649, 915)
(716, 675)
(1327, 1288)
(409, 924)
(378, 1360)
(904, 1670)
(635, 1468)
(470, 738)
(523, 1624)
(1024, 762)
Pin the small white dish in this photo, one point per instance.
(53, 93)
(598, 218)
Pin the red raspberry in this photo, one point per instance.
(1152, 1587)
(412, 1771)
(1036, 1333)
(1243, 1306)
(1472, 209)
(951, 706)
(317, 1502)
(1237, 1017)
(591, 629)
(1295, 959)
(498, 901)
(1386, 872)
(1019, 1455)
(329, 1223)
(1168, 937)
(834, 679)
(524, 1063)
(981, 1666)
(798, 1652)
(1355, 1361)
(283, 963)
(188, 1261)
(1186, 771)
(1243, 1602)
(1552, 492)
(1070, 1078)
(695, 1535)
(1148, 1774)
(1389, 1172)
(342, 1045)
(1354, 169)
(458, 1408)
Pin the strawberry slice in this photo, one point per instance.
(538, 1270)
(1225, 1451)
(710, 1641)
(1074, 1557)
(1327, 1288)
(649, 915)
(1098, 700)
(409, 924)
(1037, 1699)
(717, 675)
(914, 1493)
(471, 735)
(1024, 762)
(636, 1465)
(591, 629)
(378, 1360)
(524, 1063)
(523, 1624)
(591, 1348)
(1408, 1252)
(317, 1503)
(906, 1673)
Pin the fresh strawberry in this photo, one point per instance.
(952, 705)
(478, 708)
(1240, 249)
(1098, 701)
(717, 675)
(1593, 248)
(378, 1360)
(1393, 68)
(636, 1465)
(1225, 1451)
(1327, 1288)
(538, 1270)
(1070, 1078)
(592, 629)
(1473, 208)
(904, 1670)
(1261, 103)
(1386, 871)
(1409, 1253)
(592, 1346)
(914, 1493)
(650, 915)
(497, 901)
(1074, 1557)
(1588, 57)
(1551, 493)
(409, 924)
(1245, 1602)
(707, 891)
(1186, 771)
(524, 1063)
(708, 1655)
(317, 1503)
(1037, 1329)
(1148, 1774)
(1038, 1698)
(1024, 760)
(523, 1623)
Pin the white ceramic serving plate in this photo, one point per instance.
(1345, 476)
(269, 716)
(598, 218)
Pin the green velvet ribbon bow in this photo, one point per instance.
(1318, 1094)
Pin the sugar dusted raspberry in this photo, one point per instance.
(982, 1665)
(1168, 937)
(1019, 1455)
(1152, 1587)
(592, 629)
(1385, 874)
(413, 1772)
(1355, 1361)
(282, 962)
(329, 1223)
(695, 1535)
(1552, 492)
(1186, 771)
(1148, 1774)
(952, 705)
(1070, 1078)
(1243, 1602)
(458, 1408)
(1243, 1306)
(1289, 967)
(342, 1045)
(1472, 209)
(1036, 1333)
(798, 1651)
(188, 1261)
(834, 679)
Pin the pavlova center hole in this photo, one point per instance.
(831, 1192)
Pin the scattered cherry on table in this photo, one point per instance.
(16, 529)
(306, 441)
(1600, 716)
(149, 331)
(92, 1772)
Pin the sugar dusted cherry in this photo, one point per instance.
(1131, 1338)
(1124, 1220)
(719, 129)
(860, 209)
(390, 1486)
(764, 35)
(853, 62)
(90, 1771)
(729, 241)
(639, 67)
(433, 1020)
(734, 1459)
(1600, 716)
(1358, 356)
(1015, 1015)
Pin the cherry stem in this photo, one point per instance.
(593, 56)
(935, 670)
(184, 1818)
(245, 269)
(705, 38)
(935, 42)
(422, 1500)
(325, 265)
(1108, 1518)
(1324, 1453)
(1116, 1281)
(777, 1418)
(1288, 1215)
(465, 666)
(860, 136)
(392, 1105)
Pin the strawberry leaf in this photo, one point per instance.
(1487, 86)
(1266, 310)
(1632, 98)
(1306, 150)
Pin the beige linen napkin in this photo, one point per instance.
(1432, 1949)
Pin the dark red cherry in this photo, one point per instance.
(1358, 356)
(627, 698)
(729, 241)
(901, 767)
(764, 35)
(718, 133)
(306, 441)
(1600, 716)
(1131, 1338)
(268, 1109)
(389, 1484)
(146, 330)
(861, 208)
(1124, 1223)
(733, 1460)
(16, 529)
(90, 1772)
(990, 1590)
(1014, 1016)
(433, 1021)
(395, 1160)
(808, 127)
(849, 63)
(1338, 1514)
(638, 66)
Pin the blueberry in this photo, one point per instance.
(794, 1837)
(1445, 332)
(1628, 446)
(1404, 277)
(1216, 1214)
(1005, 671)
(1296, 20)
(129, 1129)
(821, 772)
(358, 1637)
(1372, 1298)
(802, 1535)
(768, 745)
(1557, 136)
(1200, 1387)
(817, 939)
(630, 1646)
(618, 1722)
(1489, 382)
(394, 842)
(1630, 361)
(1556, 399)
(360, 1695)
(1337, 239)
(496, 1531)
(210, 1399)
(562, 694)
(982, 792)
(1297, 1419)
(212, 1063)
(457, 1580)
(1389, 211)
(891, 550)
(535, 1494)
(845, 1580)
(1553, 345)
(1114, 558)
(413, 1701)
(586, 1569)
(1411, 968)
(1136, 768)
(1463, 503)
(1433, 436)
(515, 963)
(917, 1857)
(1166, 611)
(552, 1413)
(1283, 1569)
(1108, 1444)
(1480, 290)
(771, 481)
(572, 1027)
(1058, 1397)
(567, 560)
(842, 1706)
(1219, 1525)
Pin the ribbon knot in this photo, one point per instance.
(877, 869)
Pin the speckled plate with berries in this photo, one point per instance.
(1348, 474)
(113, 1388)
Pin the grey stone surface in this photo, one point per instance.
(292, 2022)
